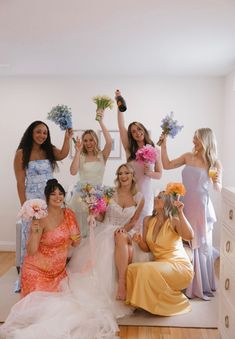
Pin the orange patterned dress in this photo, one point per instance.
(44, 270)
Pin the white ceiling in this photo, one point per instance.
(122, 37)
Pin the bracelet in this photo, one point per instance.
(36, 229)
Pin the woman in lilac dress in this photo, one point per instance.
(197, 177)
(134, 138)
(34, 162)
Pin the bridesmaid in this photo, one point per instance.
(89, 162)
(133, 138)
(44, 264)
(34, 163)
(157, 286)
(197, 178)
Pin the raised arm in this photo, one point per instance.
(166, 162)
(20, 175)
(108, 140)
(181, 224)
(62, 153)
(121, 126)
(74, 167)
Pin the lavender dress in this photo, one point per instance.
(200, 213)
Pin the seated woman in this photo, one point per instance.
(48, 241)
(157, 286)
(113, 238)
(86, 307)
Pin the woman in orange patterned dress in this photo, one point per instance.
(49, 238)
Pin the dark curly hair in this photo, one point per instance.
(133, 146)
(26, 144)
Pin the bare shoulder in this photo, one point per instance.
(188, 156)
(18, 159)
(146, 219)
(19, 154)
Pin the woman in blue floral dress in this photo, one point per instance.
(34, 163)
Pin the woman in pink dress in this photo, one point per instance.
(48, 241)
(134, 138)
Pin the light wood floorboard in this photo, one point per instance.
(7, 260)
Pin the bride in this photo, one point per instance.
(113, 243)
(87, 308)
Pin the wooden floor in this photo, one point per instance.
(7, 260)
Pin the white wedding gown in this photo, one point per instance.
(86, 308)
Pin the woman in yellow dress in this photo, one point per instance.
(157, 286)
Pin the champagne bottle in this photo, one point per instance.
(121, 103)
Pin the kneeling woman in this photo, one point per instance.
(157, 286)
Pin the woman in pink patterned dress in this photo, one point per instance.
(47, 247)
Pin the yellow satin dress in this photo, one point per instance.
(156, 286)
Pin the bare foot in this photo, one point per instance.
(121, 292)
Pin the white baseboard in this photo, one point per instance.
(6, 246)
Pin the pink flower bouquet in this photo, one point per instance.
(147, 154)
(95, 197)
(33, 209)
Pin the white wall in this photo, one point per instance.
(197, 102)
(228, 156)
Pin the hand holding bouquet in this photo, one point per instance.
(33, 209)
(169, 127)
(62, 116)
(175, 190)
(102, 103)
(147, 154)
(96, 198)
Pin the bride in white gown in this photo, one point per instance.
(87, 307)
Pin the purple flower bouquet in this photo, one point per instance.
(170, 127)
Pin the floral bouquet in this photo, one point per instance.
(62, 116)
(169, 127)
(95, 197)
(175, 190)
(102, 103)
(33, 209)
(147, 154)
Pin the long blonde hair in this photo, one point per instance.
(207, 138)
(134, 182)
(94, 137)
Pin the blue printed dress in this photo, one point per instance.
(37, 174)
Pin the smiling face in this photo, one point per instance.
(56, 198)
(125, 176)
(137, 133)
(89, 143)
(40, 133)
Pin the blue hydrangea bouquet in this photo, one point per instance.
(169, 127)
(62, 116)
